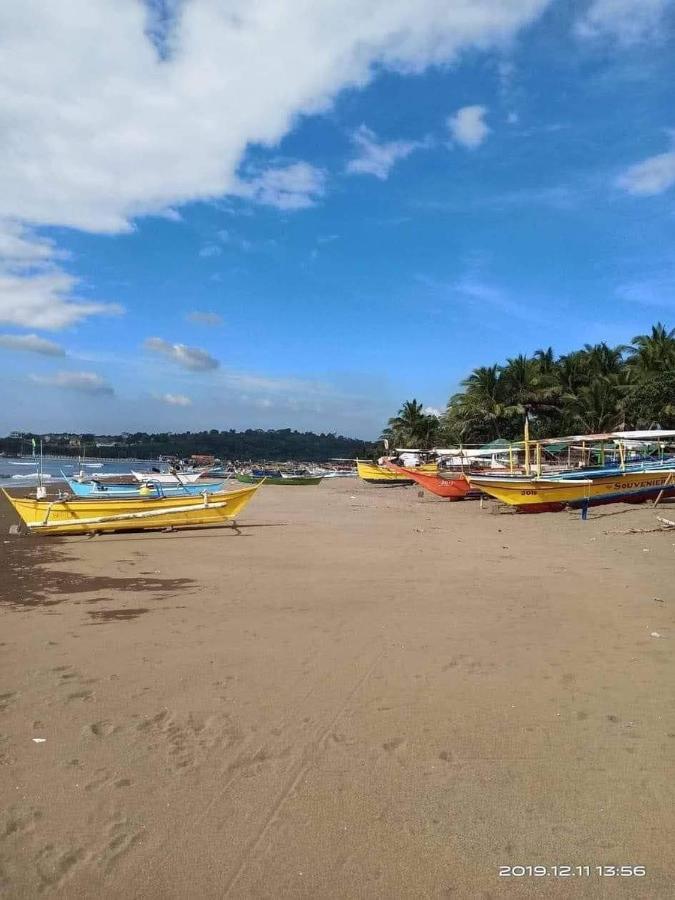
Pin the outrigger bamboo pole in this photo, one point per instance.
(121, 517)
(666, 483)
(526, 435)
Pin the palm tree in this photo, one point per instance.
(545, 360)
(479, 412)
(601, 359)
(528, 389)
(655, 352)
(595, 388)
(412, 427)
(571, 372)
(600, 405)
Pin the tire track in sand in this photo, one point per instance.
(296, 775)
(260, 756)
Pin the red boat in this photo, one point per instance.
(451, 488)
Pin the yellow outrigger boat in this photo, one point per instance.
(381, 475)
(69, 516)
(629, 482)
(534, 494)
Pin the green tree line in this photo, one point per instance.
(253, 444)
(594, 389)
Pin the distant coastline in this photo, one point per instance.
(274, 445)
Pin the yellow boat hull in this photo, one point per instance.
(379, 475)
(557, 493)
(82, 516)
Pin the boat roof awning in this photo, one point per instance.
(606, 437)
(497, 444)
(656, 434)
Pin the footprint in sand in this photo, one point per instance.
(101, 729)
(80, 695)
(6, 699)
(187, 741)
(105, 779)
(122, 835)
(17, 820)
(54, 865)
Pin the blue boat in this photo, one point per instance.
(150, 489)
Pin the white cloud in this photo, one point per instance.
(651, 176)
(188, 357)
(31, 343)
(19, 248)
(285, 395)
(34, 291)
(432, 411)
(45, 300)
(114, 109)
(628, 21)
(86, 382)
(467, 126)
(474, 292)
(375, 158)
(210, 250)
(94, 138)
(293, 186)
(656, 291)
(175, 399)
(204, 318)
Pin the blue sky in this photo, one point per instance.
(302, 218)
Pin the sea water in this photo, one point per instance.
(23, 472)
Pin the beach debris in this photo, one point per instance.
(667, 522)
(658, 600)
(632, 531)
(655, 634)
(14, 529)
(39, 740)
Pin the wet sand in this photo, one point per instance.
(362, 693)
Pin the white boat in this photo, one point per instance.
(168, 477)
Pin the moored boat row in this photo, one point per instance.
(551, 487)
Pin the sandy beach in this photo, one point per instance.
(360, 693)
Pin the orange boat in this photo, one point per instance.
(450, 488)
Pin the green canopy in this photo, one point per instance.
(556, 448)
(498, 444)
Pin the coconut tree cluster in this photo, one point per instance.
(597, 388)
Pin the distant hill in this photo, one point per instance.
(254, 444)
